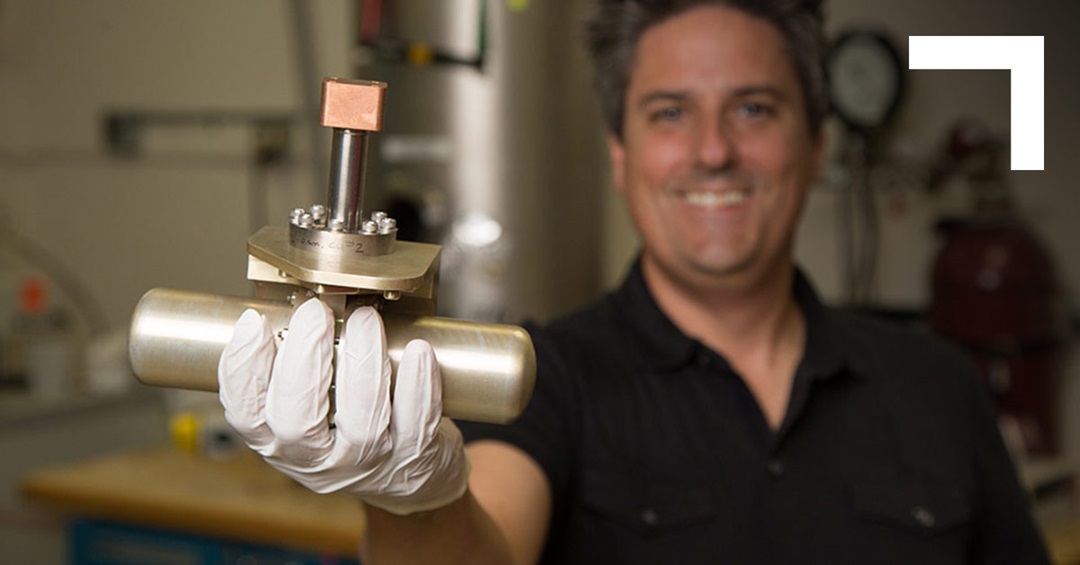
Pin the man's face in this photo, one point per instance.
(716, 153)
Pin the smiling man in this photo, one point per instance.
(711, 410)
(714, 158)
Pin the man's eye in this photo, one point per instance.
(666, 114)
(754, 109)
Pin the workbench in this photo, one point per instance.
(238, 500)
(243, 499)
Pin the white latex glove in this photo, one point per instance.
(408, 459)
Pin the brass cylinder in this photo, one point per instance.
(488, 370)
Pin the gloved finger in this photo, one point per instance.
(243, 375)
(417, 400)
(297, 402)
(363, 385)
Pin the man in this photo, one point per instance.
(709, 411)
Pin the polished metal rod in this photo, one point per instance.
(346, 196)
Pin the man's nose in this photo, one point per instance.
(715, 148)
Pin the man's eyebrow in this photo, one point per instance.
(662, 95)
(680, 95)
(755, 90)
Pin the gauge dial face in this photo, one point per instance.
(865, 79)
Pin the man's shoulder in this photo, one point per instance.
(864, 326)
(593, 321)
(592, 335)
(887, 347)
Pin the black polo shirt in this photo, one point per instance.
(657, 452)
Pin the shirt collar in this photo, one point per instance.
(666, 348)
(823, 355)
(659, 342)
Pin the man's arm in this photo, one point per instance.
(503, 517)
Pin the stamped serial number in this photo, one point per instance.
(346, 246)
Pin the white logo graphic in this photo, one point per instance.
(1021, 55)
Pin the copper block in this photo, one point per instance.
(352, 104)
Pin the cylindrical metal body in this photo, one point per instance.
(505, 165)
(345, 198)
(488, 370)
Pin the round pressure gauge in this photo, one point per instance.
(866, 79)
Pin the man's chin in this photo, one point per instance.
(721, 262)
(722, 269)
(711, 271)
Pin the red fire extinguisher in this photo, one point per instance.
(995, 292)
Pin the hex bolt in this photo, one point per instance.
(294, 216)
(369, 227)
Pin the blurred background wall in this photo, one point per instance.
(141, 142)
(178, 213)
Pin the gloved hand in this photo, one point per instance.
(403, 460)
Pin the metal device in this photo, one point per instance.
(331, 251)
(493, 148)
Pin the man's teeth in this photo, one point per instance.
(715, 199)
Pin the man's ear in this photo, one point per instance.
(617, 158)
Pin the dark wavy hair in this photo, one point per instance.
(613, 31)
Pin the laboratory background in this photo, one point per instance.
(143, 142)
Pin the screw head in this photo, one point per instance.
(318, 211)
(306, 220)
(378, 216)
(369, 227)
(387, 225)
(337, 224)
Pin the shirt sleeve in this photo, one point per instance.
(546, 427)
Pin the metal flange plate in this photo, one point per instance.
(408, 269)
